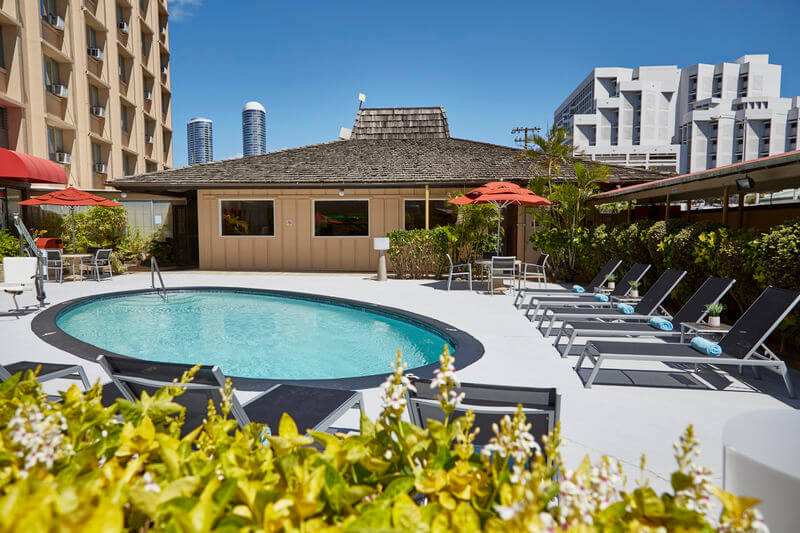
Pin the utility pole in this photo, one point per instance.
(524, 130)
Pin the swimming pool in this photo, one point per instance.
(255, 334)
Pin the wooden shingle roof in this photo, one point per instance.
(401, 123)
(366, 162)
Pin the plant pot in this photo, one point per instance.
(713, 321)
(611, 285)
(634, 293)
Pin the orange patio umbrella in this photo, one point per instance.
(71, 197)
(500, 194)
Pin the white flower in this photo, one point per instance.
(149, 484)
(507, 512)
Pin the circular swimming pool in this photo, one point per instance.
(255, 334)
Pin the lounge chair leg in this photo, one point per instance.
(449, 280)
(788, 381)
(541, 317)
(593, 375)
(550, 325)
(570, 343)
(528, 309)
(558, 337)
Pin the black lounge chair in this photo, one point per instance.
(490, 403)
(621, 290)
(740, 346)
(47, 371)
(649, 304)
(565, 288)
(311, 408)
(710, 292)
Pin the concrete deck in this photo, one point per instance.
(622, 421)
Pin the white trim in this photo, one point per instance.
(423, 199)
(314, 222)
(219, 218)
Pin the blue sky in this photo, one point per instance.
(492, 65)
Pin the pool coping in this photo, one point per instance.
(468, 349)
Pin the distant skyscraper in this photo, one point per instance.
(254, 129)
(200, 140)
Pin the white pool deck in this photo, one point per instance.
(620, 421)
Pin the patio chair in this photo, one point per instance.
(47, 371)
(20, 276)
(740, 346)
(490, 403)
(566, 289)
(537, 303)
(710, 292)
(311, 408)
(537, 271)
(97, 264)
(502, 268)
(649, 304)
(458, 270)
(55, 262)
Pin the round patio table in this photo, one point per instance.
(75, 259)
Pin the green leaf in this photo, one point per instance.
(287, 427)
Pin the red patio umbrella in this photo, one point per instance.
(501, 194)
(72, 198)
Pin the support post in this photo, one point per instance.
(628, 212)
(666, 207)
(741, 210)
(725, 196)
(427, 207)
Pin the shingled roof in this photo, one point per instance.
(366, 162)
(401, 123)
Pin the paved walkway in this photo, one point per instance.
(620, 421)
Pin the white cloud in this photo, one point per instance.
(183, 9)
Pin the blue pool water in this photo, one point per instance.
(251, 334)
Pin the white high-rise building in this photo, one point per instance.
(682, 120)
(200, 141)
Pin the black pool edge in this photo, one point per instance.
(468, 349)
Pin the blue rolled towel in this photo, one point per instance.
(625, 309)
(601, 297)
(578, 288)
(706, 347)
(661, 323)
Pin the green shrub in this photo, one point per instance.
(77, 466)
(9, 245)
(418, 253)
(98, 226)
(776, 256)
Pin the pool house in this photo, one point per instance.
(318, 207)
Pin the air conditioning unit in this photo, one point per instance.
(100, 168)
(148, 139)
(58, 90)
(55, 21)
(148, 95)
(164, 70)
(123, 26)
(63, 157)
(164, 31)
(98, 111)
(96, 53)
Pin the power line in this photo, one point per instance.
(525, 138)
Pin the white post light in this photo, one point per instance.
(381, 244)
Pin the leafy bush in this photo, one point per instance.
(98, 227)
(77, 466)
(418, 253)
(474, 232)
(776, 256)
(9, 245)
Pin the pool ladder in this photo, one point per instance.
(153, 271)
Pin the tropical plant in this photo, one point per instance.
(474, 232)
(98, 227)
(715, 309)
(634, 285)
(548, 154)
(9, 245)
(76, 465)
(611, 277)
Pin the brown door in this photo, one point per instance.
(509, 230)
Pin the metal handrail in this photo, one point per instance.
(153, 271)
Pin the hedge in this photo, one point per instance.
(418, 253)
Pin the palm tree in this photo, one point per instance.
(549, 153)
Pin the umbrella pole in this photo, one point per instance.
(499, 211)
(72, 216)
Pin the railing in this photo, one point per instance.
(153, 271)
(27, 246)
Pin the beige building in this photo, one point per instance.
(86, 83)
(319, 207)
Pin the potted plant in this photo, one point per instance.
(714, 310)
(610, 279)
(634, 285)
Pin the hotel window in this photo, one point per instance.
(128, 164)
(247, 217)
(94, 96)
(2, 50)
(49, 8)
(126, 127)
(3, 127)
(341, 218)
(440, 213)
(55, 141)
(123, 69)
(91, 37)
(97, 153)
(52, 72)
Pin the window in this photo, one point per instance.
(128, 164)
(126, 127)
(341, 218)
(55, 141)
(120, 14)
(49, 7)
(123, 70)
(3, 127)
(2, 50)
(52, 72)
(247, 217)
(91, 37)
(97, 153)
(94, 96)
(440, 213)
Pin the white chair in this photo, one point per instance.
(502, 268)
(536, 271)
(19, 274)
(55, 262)
(97, 264)
(458, 270)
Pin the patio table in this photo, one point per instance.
(75, 259)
